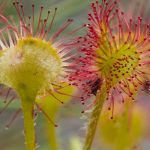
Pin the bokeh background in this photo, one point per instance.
(69, 118)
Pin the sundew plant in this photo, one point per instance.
(108, 63)
(116, 51)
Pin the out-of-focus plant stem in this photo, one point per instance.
(51, 131)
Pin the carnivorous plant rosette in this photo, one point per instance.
(33, 63)
(116, 50)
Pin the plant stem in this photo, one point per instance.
(27, 107)
(100, 98)
(52, 134)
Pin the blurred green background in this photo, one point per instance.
(69, 118)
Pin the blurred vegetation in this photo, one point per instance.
(124, 131)
(68, 120)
